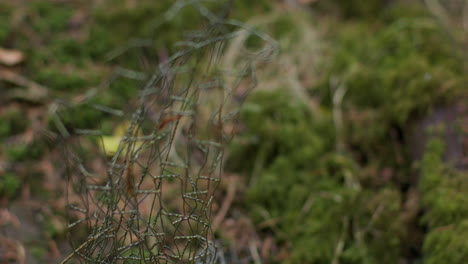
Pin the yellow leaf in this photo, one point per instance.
(111, 143)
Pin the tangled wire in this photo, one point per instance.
(153, 203)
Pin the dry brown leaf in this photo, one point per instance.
(6, 217)
(11, 57)
(231, 192)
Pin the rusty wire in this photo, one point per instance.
(153, 203)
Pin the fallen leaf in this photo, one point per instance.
(8, 218)
(11, 57)
(111, 143)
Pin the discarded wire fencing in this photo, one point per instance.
(149, 200)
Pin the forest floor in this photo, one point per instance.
(361, 152)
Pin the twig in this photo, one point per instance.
(374, 217)
(231, 192)
(35, 92)
(340, 245)
(254, 251)
(338, 95)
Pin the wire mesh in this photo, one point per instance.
(151, 200)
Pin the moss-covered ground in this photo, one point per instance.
(325, 152)
(339, 183)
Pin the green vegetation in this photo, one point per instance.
(71, 51)
(310, 193)
(319, 201)
(444, 196)
(9, 185)
(39, 252)
(326, 205)
(14, 123)
(446, 244)
(399, 70)
(22, 152)
(4, 21)
(18, 152)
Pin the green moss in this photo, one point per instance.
(52, 17)
(397, 10)
(358, 8)
(254, 42)
(99, 43)
(9, 185)
(447, 244)
(245, 9)
(59, 60)
(124, 90)
(144, 22)
(432, 167)
(13, 123)
(38, 252)
(22, 152)
(79, 117)
(17, 152)
(37, 149)
(444, 189)
(5, 128)
(66, 82)
(5, 28)
(68, 51)
(70, 66)
(352, 9)
(309, 191)
(132, 23)
(284, 126)
(444, 199)
(284, 26)
(393, 73)
(372, 11)
(421, 70)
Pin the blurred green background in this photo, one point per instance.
(352, 149)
